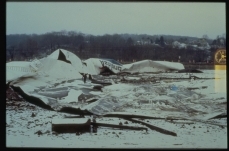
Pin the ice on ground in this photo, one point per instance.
(71, 97)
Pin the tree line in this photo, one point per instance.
(121, 47)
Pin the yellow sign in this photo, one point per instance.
(220, 69)
(220, 56)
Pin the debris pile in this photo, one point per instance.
(168, 97)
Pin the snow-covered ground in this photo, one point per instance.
(28, 125)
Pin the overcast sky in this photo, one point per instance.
(99, 18)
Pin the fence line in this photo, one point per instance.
(17, 68)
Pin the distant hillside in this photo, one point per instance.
(125, 47)
(139, 37)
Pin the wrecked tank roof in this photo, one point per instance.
(151, 66)
(58, 83)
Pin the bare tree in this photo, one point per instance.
(11, 51)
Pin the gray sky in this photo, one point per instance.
(99, 18)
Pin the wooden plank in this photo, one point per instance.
(119, 126)
(158, 129)
(64, 127)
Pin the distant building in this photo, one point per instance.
(179, 45)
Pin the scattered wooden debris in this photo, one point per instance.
(131, 116)
(189, 71)
(158, 129)
(73, 116)
(101, 82)
(71, 126)
(220, 116)
(38, 132)
(194, 88)
(84, 125)
(119, 126)
(33, 115)
(179, 122)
